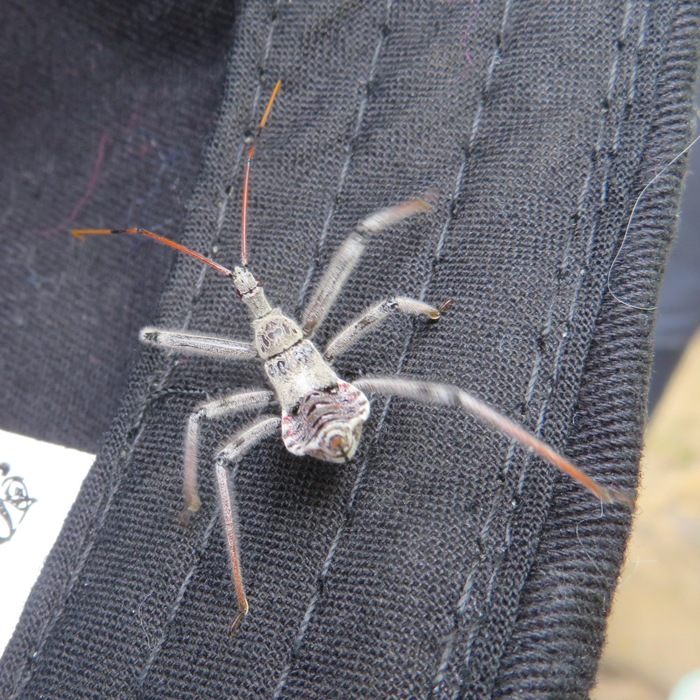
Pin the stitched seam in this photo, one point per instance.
(303, 627)
(537, 366)
(101, 513)
(204, 542)
(614, 75)
(438, 248)
(138, 425)
(345, 168)
(182, 591)
(448, 647)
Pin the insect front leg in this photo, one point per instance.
(204, 344)
(371, 318)
(227, 405)
(449, 395)
(234, 450)
(348, 255)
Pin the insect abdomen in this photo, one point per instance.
(326, 424)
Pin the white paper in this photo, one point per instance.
(39, 483)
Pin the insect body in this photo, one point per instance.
(319, 414)
(322, 416)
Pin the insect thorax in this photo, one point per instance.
(275, 333)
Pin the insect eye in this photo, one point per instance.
(294, 411)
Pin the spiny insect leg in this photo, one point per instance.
(348, 255)
(204, 344)
(449, 395)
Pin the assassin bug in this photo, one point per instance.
(321, 415)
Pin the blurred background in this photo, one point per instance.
(653, 642)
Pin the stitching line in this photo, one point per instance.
(138, 425)
(466, 595)
(303, 627)
(182, 591)
(204, 542)
(463, 600)
(614, 75)
(346, 165)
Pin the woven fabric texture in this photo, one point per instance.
(442, 561)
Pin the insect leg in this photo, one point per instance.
(191, 343)
(371, 318)
(233, 403)
(238, 446)
(347, 256)
(449, 395)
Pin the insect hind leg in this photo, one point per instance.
(450, 395)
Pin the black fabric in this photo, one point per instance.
(105, 111)
(442, 561)
(678, 310)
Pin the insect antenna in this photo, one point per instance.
(246, 175)
(79, 233)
